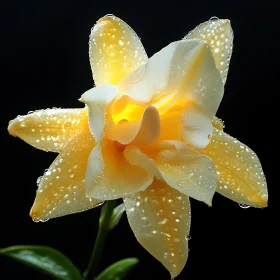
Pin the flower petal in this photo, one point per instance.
(62, 189)
(114, 50)
(183, 71)
(110, 176)
(143, 132)
(197, 128)
(219, 35)
(97, 99)
(239, 171)
(160, 219)
(190, 125)
(50, 129)
(179, 166)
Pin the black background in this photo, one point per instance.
(44, 63)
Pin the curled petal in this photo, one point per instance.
(62, 189)
(160, 219)
(190, 125)
(114, 50)
(197, 128)
(179, 166)
(143, 132)
(181, 72)
(219, 35)
(50, 129)
(240, 175)
(110, 176)
(150, 79)
(137, 158)
(98, 99)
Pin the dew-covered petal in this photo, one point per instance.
(110, 176)
(219, 35)
(114, 50)
(50, 129)
(183, 71)
(179, 166)
(98, 99)
(218, 123)
(143, 132)
(62, 189)
(160, 219)
(240, 175)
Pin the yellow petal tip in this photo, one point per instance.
(34, 214)
(260, 200)
(108, 19)
(12, 127)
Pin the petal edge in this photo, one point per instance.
(240, 175)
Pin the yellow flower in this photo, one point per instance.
(149, 135)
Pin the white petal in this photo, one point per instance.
(182, 169)
(114, 50)
(95, 166)
(97, 99)
(151, 78)
(143, 132)
(137, 158)
(110, 176)
(183, 70)
(197, 128)
(219, 35)
(200, 82)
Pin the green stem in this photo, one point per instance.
(104, 228)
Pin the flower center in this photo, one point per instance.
(119, 147)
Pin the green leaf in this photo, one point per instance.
(116, 216)
(44, 259)
(118, 270)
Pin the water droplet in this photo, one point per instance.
(67, 125)
(244, 206)
(36, 220)
(164, 221)
(39, 180)
(214, 18)
(20, 118)
(54, 136)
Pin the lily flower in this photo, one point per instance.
(148, 134)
